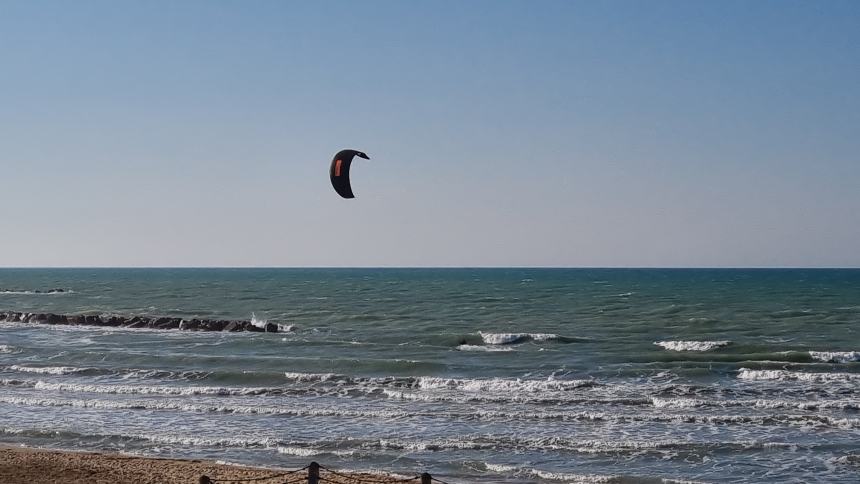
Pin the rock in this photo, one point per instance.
(94, 320)
(55, 319)
(171, 323)
(114, 321)
(140, 323)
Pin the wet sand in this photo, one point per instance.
(20, 465)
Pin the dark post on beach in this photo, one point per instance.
(425, 478)
(313, 473)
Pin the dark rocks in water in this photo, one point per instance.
(12, 316)
(171, 323)
(233, 326)
(139, 322)
(37, 291)
(56, 319)
(113, 321)
(93, 320)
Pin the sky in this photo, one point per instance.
(501, 133)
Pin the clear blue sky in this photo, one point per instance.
(539, 133)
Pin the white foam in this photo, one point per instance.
(835, 356)
(513, 338)
(260, 323)
(483, 348)
(7, 349)
(692, 345)
(151, 390)
(48, 370)
(500, 467)
(314, 377)
(681, 403)
(310, 452)
(785, 375)
(313, 411)
(501, 385)
(551, 476)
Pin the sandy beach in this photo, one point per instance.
(23, 465)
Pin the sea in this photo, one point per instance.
(473, 375)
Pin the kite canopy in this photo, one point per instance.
(339, 171)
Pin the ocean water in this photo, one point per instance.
(475, 375)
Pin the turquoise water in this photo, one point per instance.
(475, 375)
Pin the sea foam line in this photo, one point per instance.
(484, 415)
(835, 356)
(786, 375)
(515, 338)
(692, 345)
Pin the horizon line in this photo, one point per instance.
(450, 267)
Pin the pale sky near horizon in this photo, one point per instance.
(501, 133)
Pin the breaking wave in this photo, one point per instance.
(786, 375)
(692, 345)
(835, 356)
(517, 338)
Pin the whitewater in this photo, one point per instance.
(474, 375)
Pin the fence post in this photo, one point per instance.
(205, 480)
(426, 478)
(313, 473)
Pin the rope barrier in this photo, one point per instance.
(313, 476)
(377, 481)
(255, 479)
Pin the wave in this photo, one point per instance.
(124, 373)
(570, 478)
(835, 356)
(311, 452)
(785, 375)
(805, 421)
(575, 445)
(846, 460)
(167, 405)
(53, 370)
(517, 338)
(467, 347)
(809, 405)
(692, 345)
(9, 349)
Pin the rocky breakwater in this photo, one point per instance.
(139, 322)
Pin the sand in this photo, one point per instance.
(20, 465)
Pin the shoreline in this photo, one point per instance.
(34, 465)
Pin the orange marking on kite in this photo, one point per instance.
(337, 168)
